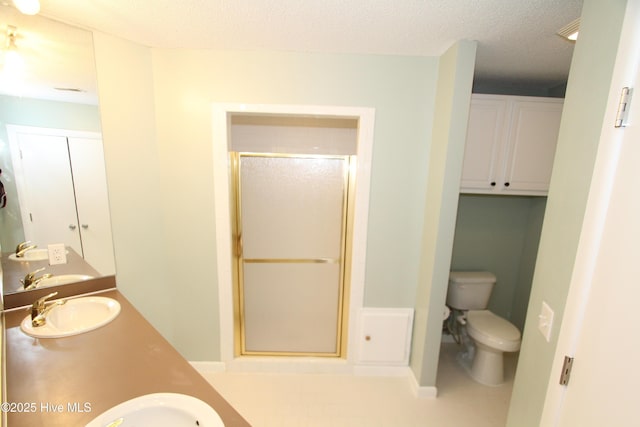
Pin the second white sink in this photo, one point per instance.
(75, 316)
(32, 255)
(63, 279)
(160, 410)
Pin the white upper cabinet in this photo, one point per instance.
(511, 142)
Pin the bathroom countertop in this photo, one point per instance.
(14, 271)
(69, 381)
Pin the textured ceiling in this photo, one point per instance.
(516, 38)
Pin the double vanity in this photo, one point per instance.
(36, 262)
(97, 362)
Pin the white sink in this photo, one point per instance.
(32, 255)
(74, 317)
(63, 279)
(158, 410)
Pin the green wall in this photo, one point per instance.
(455, 75)
(38, 113)
(136, 195)
(500, 234)
(157, 120)
(582, 121)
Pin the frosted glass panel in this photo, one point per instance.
(291, 307)
(292, 207)
(291, 222)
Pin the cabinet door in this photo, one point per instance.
(532, 140)
(90, 180)
(483, 149)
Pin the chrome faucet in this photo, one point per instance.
(39, 309)
(24, 247)
(30, 281)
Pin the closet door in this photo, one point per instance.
(50, 215)
(92, 199)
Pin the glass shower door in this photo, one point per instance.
(291, 246)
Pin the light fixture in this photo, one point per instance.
(13, 66)
(28, 7)
(570, 31)
(12, 59)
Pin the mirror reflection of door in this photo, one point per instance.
(291, 227)
(92, 202)
(47, 198)
(62, 191)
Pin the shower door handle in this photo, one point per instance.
(239, 246)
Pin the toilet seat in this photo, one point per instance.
(493, 331)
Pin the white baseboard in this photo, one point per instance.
(209, 367)
(422, 392)
(276, 365)
(382, 371)
(315, 366)
(301, 366)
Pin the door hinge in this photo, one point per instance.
(566, 370)
(623, 107)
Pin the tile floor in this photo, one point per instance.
(318, 400)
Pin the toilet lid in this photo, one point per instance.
(488, 324)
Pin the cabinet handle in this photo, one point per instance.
(506, 184)
(72, 227)
(85, 226)
(493, 184)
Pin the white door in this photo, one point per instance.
(599, 328)
(47, 198)
(92, 200)
(604, 380)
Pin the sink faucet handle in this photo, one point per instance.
(22, 245)
(30, 281)
(33, 273)
(38, 309)
(30, 278)
(40, 301)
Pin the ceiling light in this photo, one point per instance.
(570, 31)
(12, 59)
(28, 7)
(13, 66)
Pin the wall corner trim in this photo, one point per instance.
(421, 392)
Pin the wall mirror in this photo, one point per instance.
(51, 158)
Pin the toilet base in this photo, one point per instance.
(488, 366)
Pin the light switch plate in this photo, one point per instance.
(545, 321)
(57, 254)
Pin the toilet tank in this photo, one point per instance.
(470, 290)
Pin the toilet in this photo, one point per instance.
(469, 293)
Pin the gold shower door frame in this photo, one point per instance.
(344, 260)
